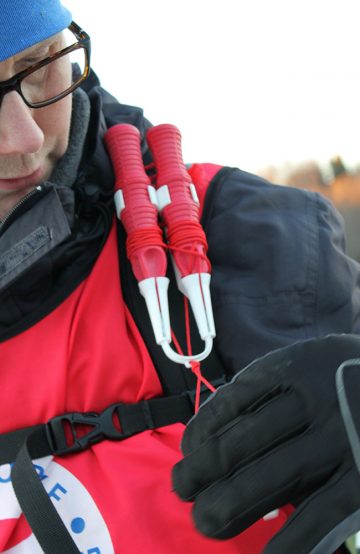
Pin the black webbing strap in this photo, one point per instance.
(117, 422)
(10, 443)
(36, 505)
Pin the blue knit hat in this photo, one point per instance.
(23, 23)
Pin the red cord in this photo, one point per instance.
(188, 237)
(151, 172)
(195, 366)
(152, 236)
(182, 233)
(149, 167)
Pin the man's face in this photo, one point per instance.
(31, 140)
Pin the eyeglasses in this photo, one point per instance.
(54, 77)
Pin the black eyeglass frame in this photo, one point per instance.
(14, 83)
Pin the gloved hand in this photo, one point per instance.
(285, 430)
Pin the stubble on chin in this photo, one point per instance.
(17, 167)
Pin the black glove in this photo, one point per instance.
(285, 430)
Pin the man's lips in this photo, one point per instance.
(22, 182)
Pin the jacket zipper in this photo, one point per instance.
(36, 190)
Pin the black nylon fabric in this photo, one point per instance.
(34, 235)
(279, 270)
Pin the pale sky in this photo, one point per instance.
(249, 83)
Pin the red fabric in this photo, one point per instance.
(117, 496)
(201, 175)
(13, 532)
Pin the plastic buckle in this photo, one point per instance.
(63, 437)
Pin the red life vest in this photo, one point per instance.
(115, 496)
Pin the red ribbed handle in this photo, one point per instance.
(123, 144)
(165, 144)
(181, 216)
(140, 216)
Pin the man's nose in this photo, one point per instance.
(19, 132)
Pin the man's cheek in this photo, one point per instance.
(54, 121)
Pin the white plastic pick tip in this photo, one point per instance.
(154, 290)
(196, 287)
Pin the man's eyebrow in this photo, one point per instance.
(36, 50)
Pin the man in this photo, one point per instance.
(86, 393)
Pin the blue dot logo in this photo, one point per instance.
(77, 525)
